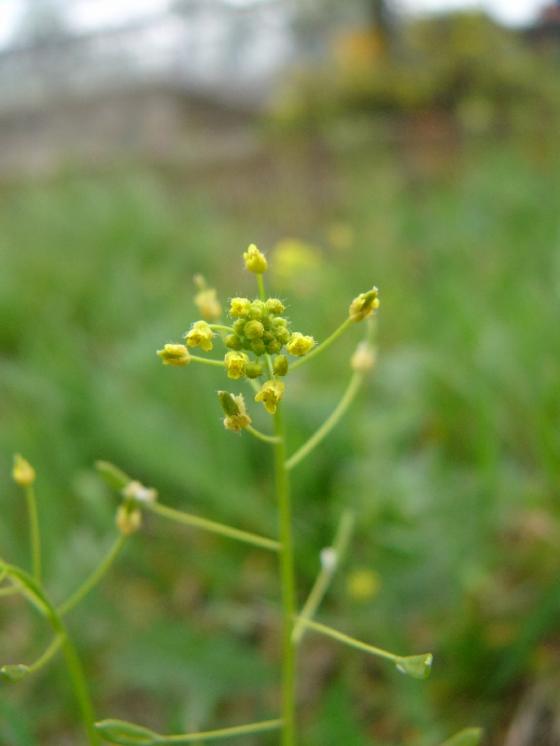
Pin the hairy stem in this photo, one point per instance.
(287, 578)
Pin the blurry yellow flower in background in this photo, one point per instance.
(294, 262)
(340, 236)
(363, 584)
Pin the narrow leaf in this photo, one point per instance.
(417, 666)
(14, 672)
(113, 476)
(466, 737)
(126, 734)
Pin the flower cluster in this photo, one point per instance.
(259, 341)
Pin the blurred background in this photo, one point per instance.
(408, 143)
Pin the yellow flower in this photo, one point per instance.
(270, 394)
(363, 584)
(364, 305)
(236, 364)
(300, 344)
(255, 260)
(208, 304)
(275, 306)
(174, 354)
(239, 308)
(253, 329)
(23, 473)
(128, 520)
(236, 418)
(200, 335)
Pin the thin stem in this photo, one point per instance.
(49, 653)
(79, 686)
(328, 569)
(329, 423)
(207, 361)
(34, 532)
(95, 576)
(118, 731)
(237, 730)
(350, 641)
(221, 328)
(272, 439)
(346, 324)
(287, 577)
(260, 284)
(217, 528)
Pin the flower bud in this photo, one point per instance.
(329, 559)
(235, 363)
(363, 358)
(275, 306)
(299, 344)
(253, 370)
(128, 520)
(254, 329)
(258, 347)
(23, 473)
(174, 354)
(200, 335)
(137, 492)
(270, 394)
(258, 309)
(236, 418)
(280, 365)
(233, 342)
(239, 308)
(273, 346)
(364, 305)
(255, 260)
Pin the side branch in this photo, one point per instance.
(346, 324)
(127, 734)
(217, 528)
(329, 424)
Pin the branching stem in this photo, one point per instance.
(346, 324)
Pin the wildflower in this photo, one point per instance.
(255, 260)
(270, 394)
(274, 305)
(23, 473)
(128, 520)
(239, 308)
(258, 309)
(364, 305)
(236, 418)
(253, 370)
(236, 364)
(363, 358)
(174, 354)
(253, 329)
(206, 300)
(200, 335)
(233, 342)
(280, 365)
(299, 344)
(137, 492)
(329, 559)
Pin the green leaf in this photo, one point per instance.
(14, 672)
(28, 587)
(417, 666)
(126, 734)
(466, 737)
(113, 476)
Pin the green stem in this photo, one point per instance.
(217, 528)
(49, 653)
(207, 361)
(118, 731)
(272, 439)
(329, 423)
(95, 576)
(221, 328)
(79, 686)
(34, 532)
(8, 591)
(350, 641)
(346, 324)
(321, 585)
(287, 577)
(262, 291)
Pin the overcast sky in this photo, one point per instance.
(92, 13)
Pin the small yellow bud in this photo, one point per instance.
(270, 394)
(258, 309)
(236, 418)
(136, 491)
(255, 260)
(233, 342)
(299, 344)
(174, 354)
(274, 305)
(236, 364)
(363, 584)
(254, 329)
(128, 520)
(364, 305)
(364, 358)
(200, 335)
(280, 365)
(239, 308)
(207, 302)
(23, 473)
(253, 370)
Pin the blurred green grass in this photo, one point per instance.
(451, 455)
